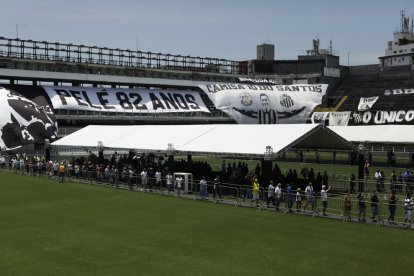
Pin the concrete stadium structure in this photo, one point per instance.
(27, 65)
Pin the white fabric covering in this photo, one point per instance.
(204, 139)
(398, 134)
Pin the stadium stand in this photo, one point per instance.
(370, 85)
(38, 63)
(357, 86)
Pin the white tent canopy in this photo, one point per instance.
(239, 140)
(381, 134)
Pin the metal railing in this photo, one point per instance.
(137, 114)
(68, 52)
(381, 213)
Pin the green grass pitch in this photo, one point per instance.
(50, 228)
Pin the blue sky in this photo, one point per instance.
(228, 29)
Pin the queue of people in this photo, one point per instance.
(291, 196)
(151, 173)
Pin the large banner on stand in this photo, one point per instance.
(124, 100)
(266, 104)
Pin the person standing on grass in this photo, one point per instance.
(216, 187)
(178, 184)
(408, 206)
(309, 196)
(130, 179)
(324, 198)
(362, 207)
(144, 179)
(158, 179)
(278, 196)
(270, 194)
(255, 192)
(289, 197)
(61, 170)
(55, 167)
(347, 205)
(298, 200)
(77, 169)
(374, 206)
(169, 181)
(392, 204)
(203, 188)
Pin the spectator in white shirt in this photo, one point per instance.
(324, 198)
(278, 196)
(309, 196)
(178, 184)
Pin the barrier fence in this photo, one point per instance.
(242, 195)
(370, 185)
(67, 52)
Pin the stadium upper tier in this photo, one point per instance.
(63, 63)
(394, 93)
(77, 65)
(69, 52)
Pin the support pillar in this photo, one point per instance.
(266, 172)
(170, 160)
(47, 150)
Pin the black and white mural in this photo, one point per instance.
(23, 122)
(266, 104)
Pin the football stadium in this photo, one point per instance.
(124, 162)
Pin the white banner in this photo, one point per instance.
(339, 118)
(124, 100)
(366, 103)
(266, 104)
(258, 80)
(382, 117)
(319, 117)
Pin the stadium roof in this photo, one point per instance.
(381, 134)
(219, 140)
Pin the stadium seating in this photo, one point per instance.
(370, 85)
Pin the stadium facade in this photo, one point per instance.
(356, 95)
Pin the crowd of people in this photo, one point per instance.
(276, 194)
(150, 172)
(398, 182)
(289, 190)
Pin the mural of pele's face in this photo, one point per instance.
(264, 99)
(23, 121)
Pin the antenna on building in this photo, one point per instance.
(17, 30)
(315, 46)
(405, 23)
(330, 47)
